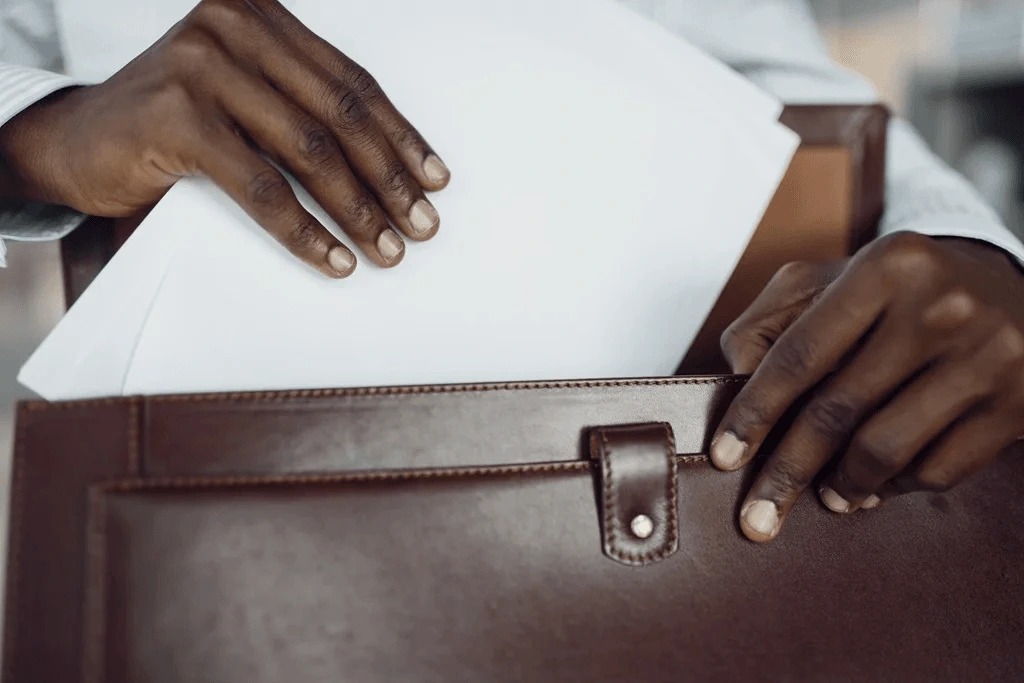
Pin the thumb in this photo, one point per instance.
(791, 291)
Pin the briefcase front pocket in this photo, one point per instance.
(626, 566)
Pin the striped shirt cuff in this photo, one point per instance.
(967, 228)
(20, 88)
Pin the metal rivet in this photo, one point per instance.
(642, 526)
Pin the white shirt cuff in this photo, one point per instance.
(968, 227)
(20, 88)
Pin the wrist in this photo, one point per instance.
(31, 153)
(986, 252)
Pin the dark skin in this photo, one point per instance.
(230, 81)
(911, 353)
(911, 358)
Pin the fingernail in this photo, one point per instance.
(341, 260)
(727, 451)
(435, 170)
(390, 246)
(423, 218)
(762, 517)
(871, 502)
(833, 501)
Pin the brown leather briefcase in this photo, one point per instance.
(531, 532)
(477, 533)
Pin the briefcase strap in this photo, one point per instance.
(637, 472)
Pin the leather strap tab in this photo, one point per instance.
(637, 466)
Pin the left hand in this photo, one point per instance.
(910, 356)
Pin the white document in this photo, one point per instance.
(606, 179)
(90, 350)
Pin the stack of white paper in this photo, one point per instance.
(606, 179)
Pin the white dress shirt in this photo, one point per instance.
(774, 43)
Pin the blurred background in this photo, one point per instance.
(954, 67)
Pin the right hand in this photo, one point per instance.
(230, 81)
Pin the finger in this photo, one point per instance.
(265, 195)
(347, 117)
(791, 290)
(829, 419)
(335, 103)
(962, 451)
(421, 160)
(303, 146)
(975, 440)
(887, 443)
(802, 356)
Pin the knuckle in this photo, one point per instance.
(407, 138)
(908, 254)
(193, 48)
(350, 111)
(173, 98)
(303, 237)
(268, 190)
(733, 338)
(740, 342)
(227, 14)
(832, 416)
(794, 272)
(750, 416)
(876, 454)
(1009, 343)
(796, 356)
(953, 309)
(316, 146)
(363, 82)
(787, 477)
(394, 179)
(361, 213)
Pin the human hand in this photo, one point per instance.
(910, 357)
(233, 80)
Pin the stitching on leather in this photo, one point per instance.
(14, 542)
(94, 612)
(673, 487)
(362, 392)
(240, 481)
(121, 486)
(609, 496)
(133, 436)
(672, 484)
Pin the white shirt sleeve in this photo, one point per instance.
(29, 56)
(777, 45)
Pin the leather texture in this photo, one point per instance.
(455, 533)
(637, 480)
(490, 532)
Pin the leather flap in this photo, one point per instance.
(638, 473)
